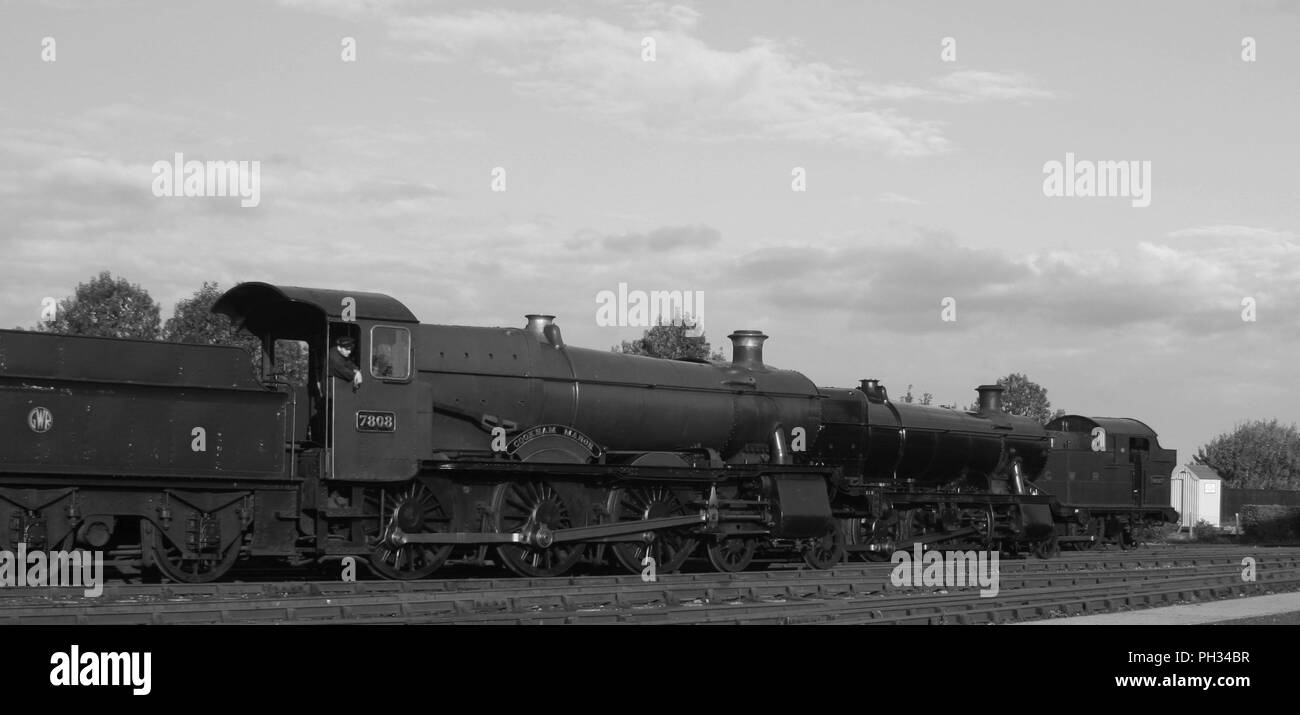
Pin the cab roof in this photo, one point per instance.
(1112, 425)
(262, 306)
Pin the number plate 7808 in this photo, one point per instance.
(372, 421)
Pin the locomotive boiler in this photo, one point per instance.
(478, 445)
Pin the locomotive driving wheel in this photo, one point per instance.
(175, 564)
(670, 547)
(827, 551)
(414, 509)
(535, 509)
(732, 554)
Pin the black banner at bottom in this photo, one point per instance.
(226, 665)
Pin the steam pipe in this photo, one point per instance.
(780, 450)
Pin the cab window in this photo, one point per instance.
(390, 353)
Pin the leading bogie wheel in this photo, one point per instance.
(732, 554)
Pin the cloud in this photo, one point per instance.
(345, 9)
(660, 240)
(977, 86)
(594, 68)
(890, 197)
(60, 198)
(395, 190)
(1231, 231)
(661, 13)
(765, 89)
(75, 203)
(1180, 292)
(1270, 7)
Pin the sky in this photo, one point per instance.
(865, 182)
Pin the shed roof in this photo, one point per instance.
(1203, 471)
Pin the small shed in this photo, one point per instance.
(1196, 493)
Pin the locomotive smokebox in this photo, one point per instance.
(990, 398)
(747, 348)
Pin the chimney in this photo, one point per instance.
(872, 388)
(544, 329)
(537, 325)
(747, 348)
(990, 398)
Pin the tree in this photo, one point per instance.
(106, 308)
(670, 342)
(1255, 455)
(194, 322)
(925, 399)
(1025, 398)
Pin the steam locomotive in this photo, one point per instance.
(506, 445)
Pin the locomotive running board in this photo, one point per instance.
(542, 537)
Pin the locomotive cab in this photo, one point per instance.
(366, 431)
(1114, 474)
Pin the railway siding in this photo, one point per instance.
(1072, 585)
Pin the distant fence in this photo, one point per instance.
(1266, 514)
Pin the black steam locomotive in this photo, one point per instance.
(507, 445)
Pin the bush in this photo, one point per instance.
(1271, 523)
(1206, 532)
(1162, 533)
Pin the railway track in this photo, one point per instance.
(850, 593)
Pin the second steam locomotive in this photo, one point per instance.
(476, 444)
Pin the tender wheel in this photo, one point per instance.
(9, 515)
(1047, 548)
(414, 509)
(174, 564)
(534, 508)
(670, 548)
(826, 551)
(732, 554)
